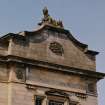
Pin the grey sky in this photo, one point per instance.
(84, 18)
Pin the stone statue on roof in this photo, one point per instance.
(49, 20)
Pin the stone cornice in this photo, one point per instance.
(52, 66)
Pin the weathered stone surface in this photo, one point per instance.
(21, 79)
(38, 48)
(3, 94)
(20, 95)
(89, 101)
(3, 72)
(56, 80)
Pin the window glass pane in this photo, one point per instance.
(38, 100)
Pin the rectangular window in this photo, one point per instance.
(91, 88)
(38, 100)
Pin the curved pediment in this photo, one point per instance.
(82, 46)
(66, 34)
(36, 33)
(54, 45)
(59, 30)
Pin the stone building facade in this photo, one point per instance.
(47, 66)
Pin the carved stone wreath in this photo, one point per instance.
(56, 48)
(19, 74)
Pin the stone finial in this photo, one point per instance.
(49, 20)
(45, 11)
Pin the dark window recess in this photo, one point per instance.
(38, 100)
(72, 104)
(91, 88)
(51, 102)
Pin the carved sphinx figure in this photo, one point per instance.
(48, 19)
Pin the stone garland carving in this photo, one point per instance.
(56, 48)
(19, 74)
